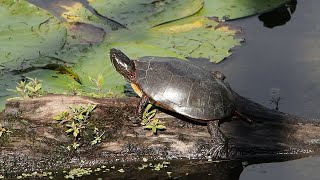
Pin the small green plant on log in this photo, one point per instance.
(149, 122)
(97, 136)
(30, 89)
(4, 135)
(98, 87)
(4, 131)
(74, 88)
(98, 82)
(77, 121)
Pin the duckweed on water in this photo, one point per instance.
(121, 170)
(159, 166)
(34, 175)
(82, 171)
(143, 166)
(97, 170)
(78, 172)
(156, 167)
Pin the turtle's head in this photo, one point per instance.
(123, 64)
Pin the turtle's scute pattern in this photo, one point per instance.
(186, 88)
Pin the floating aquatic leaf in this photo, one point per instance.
(191, 37)
(26, 32)
(140, 14)
(232, 9)
(95, 61)
(146, 13)
(74, 11)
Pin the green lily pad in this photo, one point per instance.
(145, 14)
(52, 81)
(94, 62)
(233, 9)
(7, 81)
(136, 44)
(110, 14)
(74, 11)
(191, 37)
(26, 32)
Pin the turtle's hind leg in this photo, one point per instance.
(220, 147)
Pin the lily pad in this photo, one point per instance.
(145, 13)
(233, 9)
(26, 32)
(191, 37)
(7, 81)
(96, 61)
(76, 11)
(133, 14)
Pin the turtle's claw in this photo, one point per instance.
(220, 145)
(219, 151)
(223, 151)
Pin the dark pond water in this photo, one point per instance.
(283, 61)
(181, 169)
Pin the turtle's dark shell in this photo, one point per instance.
(184, 87)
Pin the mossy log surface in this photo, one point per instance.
(37, 142)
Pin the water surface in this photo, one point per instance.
(283, 59)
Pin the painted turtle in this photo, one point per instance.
(181, 87)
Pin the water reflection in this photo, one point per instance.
(278, 16)
(275, 98)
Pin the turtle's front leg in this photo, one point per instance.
(140, 109)
(220, 145)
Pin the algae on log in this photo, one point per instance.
(38, 143)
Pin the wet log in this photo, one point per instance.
(38, 142)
